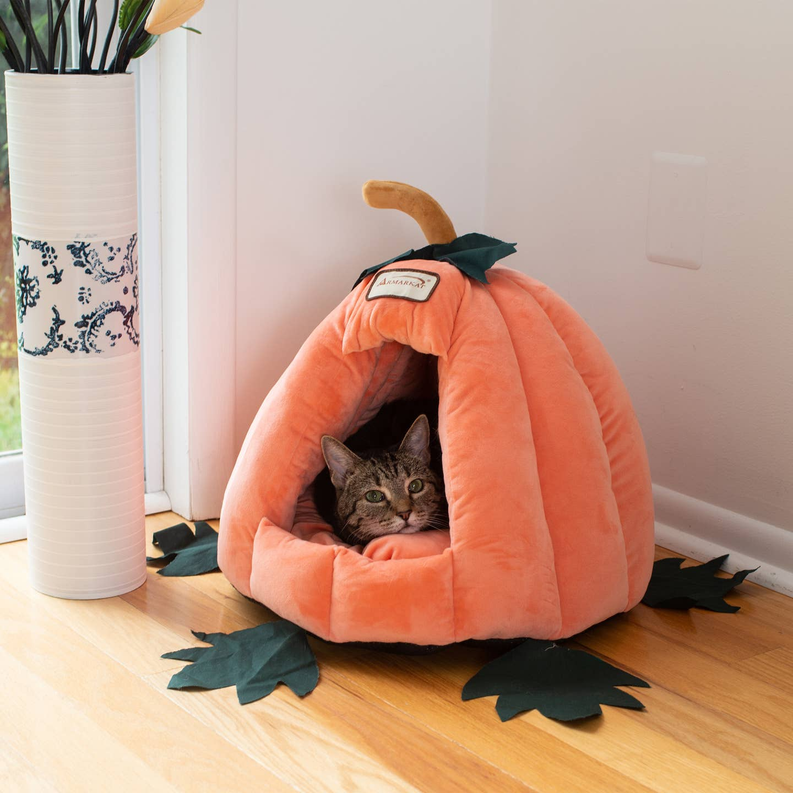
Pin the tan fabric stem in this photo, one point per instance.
(422, 207)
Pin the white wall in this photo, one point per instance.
(330, 95)
(535, 121)
(581, 94)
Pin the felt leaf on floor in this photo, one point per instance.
(255, 660)
(185, 553)
(562, 684)
(472, 254)
(675, 587)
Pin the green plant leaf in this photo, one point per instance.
(674, 587)
(148, 43)
(472, 254)
(127, 11)
(192, 30)
(562, 684)
(254, 660)
(185, 553)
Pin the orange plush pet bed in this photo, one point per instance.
(550, 508)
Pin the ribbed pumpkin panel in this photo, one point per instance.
(622, 436)
(496, 508)
(574, 471)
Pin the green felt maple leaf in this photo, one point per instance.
(674, 587)
(255, 660)
(185, 553)
(562, 684)
(472, 254)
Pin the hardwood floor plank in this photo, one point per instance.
(622, 741)
(17, 774)
(285, 737)
(52, 732)
(112, 625)
(768, 611)
(766, 621)
(174, 752)
(420, 690)
(717, 685)
(351, 742)
(707, 632)
(774, 667)
(749, 752)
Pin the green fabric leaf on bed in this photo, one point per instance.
(472, 254)
(562, 684)
(254, 660)
(675, 587)
(185, 553)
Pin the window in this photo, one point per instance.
(10, 427)
(12, 497)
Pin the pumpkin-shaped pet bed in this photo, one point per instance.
(546, 475)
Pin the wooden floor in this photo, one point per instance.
(84, 705)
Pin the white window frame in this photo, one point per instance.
(150, 255)
(12, 491)
(198, 118)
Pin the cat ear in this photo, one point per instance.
(417, 440)
(341, 461)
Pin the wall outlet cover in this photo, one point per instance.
(676, 209)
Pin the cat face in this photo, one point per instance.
(387, 493)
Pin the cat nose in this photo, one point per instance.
(405, 515)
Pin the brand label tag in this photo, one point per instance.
(415, 285)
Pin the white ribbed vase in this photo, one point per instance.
(73, 178)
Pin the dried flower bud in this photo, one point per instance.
(167, 15)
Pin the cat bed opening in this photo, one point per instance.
(550, 507)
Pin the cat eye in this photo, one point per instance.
(416, 486)
(375, 496)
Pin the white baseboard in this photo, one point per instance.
(157, 502)
(702, 531)
(12, 529)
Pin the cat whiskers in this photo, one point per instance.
(358, 535)
(436, 521)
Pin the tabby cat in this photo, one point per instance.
(373, 487)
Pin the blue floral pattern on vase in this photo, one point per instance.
(87, 306)
(53, 335)
(27, 291)
(99, 261)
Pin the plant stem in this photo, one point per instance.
(15, 61)
(121, 61)
(50, 38)
(23, 17)
(81, 33)
(89, 26)
(28, 44)
(109, 37)
(60, 26)
(135, 43)
(94, 35)
(64, 40)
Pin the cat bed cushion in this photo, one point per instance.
(545, 470)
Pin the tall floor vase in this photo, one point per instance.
(73, 180)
